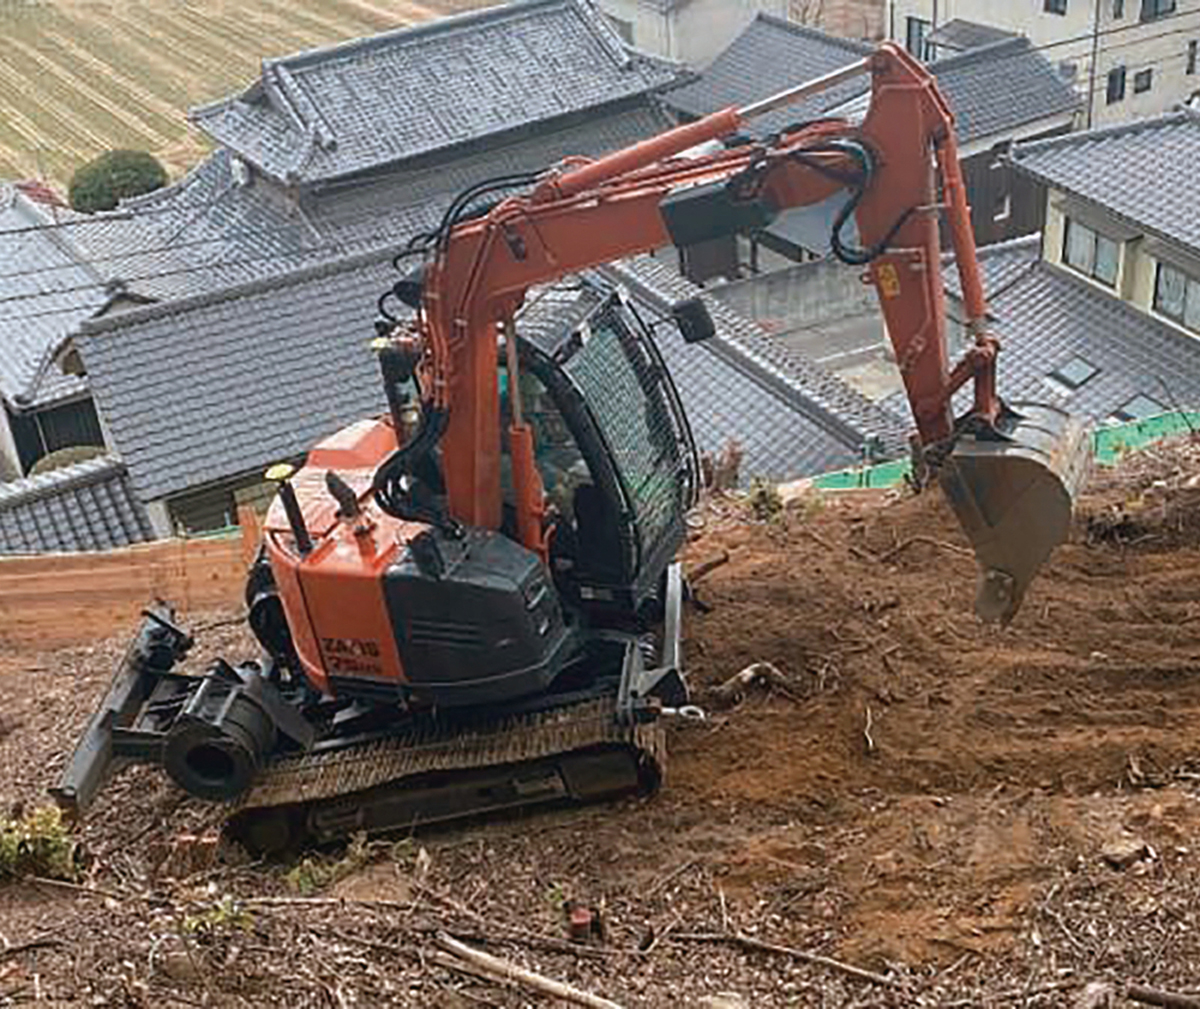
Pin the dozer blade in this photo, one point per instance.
(1013, 498)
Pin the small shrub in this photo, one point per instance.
(117, 175)
(38, 844)
(315, 872)
(764, 500)
(226, 915)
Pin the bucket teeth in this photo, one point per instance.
(1014, 497)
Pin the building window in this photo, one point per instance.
(1152, 9)
(1142, 81)
(1139, 408)
(1191, 59)
(1002, 210)
(1118, 9)
(622, 27)
(1177, 296)
(916, 38)
(1116, 85)
(1091, 253)
(1075, 373)
(1054, 6)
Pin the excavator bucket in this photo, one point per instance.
(1013, 498)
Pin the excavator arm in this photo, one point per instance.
(901, 172)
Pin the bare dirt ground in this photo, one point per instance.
(924, 798)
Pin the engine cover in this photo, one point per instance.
(477, 619)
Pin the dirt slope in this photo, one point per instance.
(927, 796)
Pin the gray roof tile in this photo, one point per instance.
(88, 506)
(997, 88)
(46, 288)
(355, 107)
(1144, 171)
(993, 89)
(1044, 316)
(769, 56)
(207, 388)
(999, 264)
(207, 232)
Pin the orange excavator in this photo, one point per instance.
(472, 603)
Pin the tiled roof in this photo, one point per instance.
(208, 388)
(87, 506)
(791, 417)
(999, 264)
(1045, 316)
(993, 89)
(770, 55)
(960, 34)
(999, 87)
(46, 288)
(1144, 171)
(208, 232)
(377, 101)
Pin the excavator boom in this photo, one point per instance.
(1010, 471)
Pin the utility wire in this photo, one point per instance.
(356, 243)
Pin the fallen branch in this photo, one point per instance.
(858, 552)
(514, 933)
(707, 567)
(1154, 996)
(25, 947)
(674, 874)
(519, 975)
(757, 674)
(899, 548)
(737, 939)
(1012, 994)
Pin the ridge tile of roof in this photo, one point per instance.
(1143, 172)
(354, 107)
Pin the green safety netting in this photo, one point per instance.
(1109, 443)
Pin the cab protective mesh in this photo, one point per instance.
(628, 404)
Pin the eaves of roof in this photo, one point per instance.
(1142, 172)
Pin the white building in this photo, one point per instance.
(695, 31)
(1128, 58)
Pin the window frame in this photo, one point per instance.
(1118, 9)
(1143, 81)
(1054, 7)
(1191, 58)
(1152, 10)
(1091, 271)
(922, 37)
(1115, 87)
(1191, 295)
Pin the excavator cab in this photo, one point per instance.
(615, 455)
